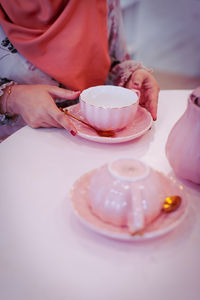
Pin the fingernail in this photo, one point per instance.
(73, 132)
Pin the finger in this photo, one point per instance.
(149, 92)
(59, 117)
(138, 78)
(51, 123)
(153, 103)
(63, 121)
(145, 82)
(63, 93)
(46, 125)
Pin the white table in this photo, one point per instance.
(47, 254)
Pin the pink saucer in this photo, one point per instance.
(142, 122)
(164, 224)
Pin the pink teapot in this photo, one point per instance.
(183, 143)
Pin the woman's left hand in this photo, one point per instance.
(143, 81)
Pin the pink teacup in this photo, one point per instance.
(109, 107)
(126, 192)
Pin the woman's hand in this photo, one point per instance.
(143, 80)
(36, 106)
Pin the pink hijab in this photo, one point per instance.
(67, 39)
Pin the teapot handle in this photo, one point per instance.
(136, 220)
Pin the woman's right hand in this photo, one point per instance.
(36, 106)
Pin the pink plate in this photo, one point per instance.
(161, 226)
(142, 122)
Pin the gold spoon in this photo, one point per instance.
(103, 133)
(170, 204)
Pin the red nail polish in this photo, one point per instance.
(73, 132)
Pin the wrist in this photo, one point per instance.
(6, 107)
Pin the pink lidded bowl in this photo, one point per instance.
(109, 107)
(127, 192)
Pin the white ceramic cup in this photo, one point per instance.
(126, 192)
(109, 107)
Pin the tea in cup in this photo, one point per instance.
(109, 107)
(126, 192)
